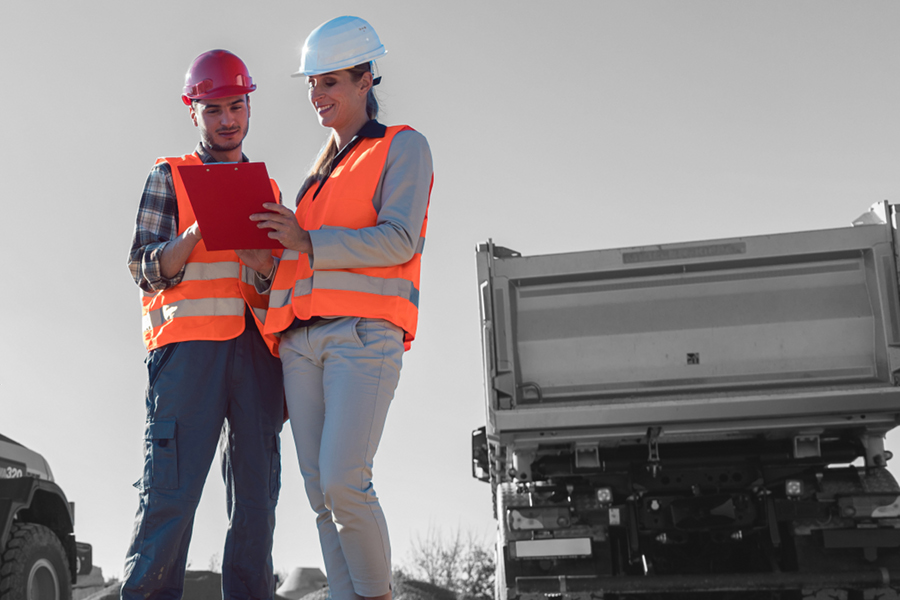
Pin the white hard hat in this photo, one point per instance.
(338, 44)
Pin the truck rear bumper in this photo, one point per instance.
(679, 584)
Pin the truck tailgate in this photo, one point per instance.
(764, 319)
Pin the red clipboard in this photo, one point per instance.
(223, 196)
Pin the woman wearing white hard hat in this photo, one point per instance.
(345, 297)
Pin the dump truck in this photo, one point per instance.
(695, 420)
(39, 556)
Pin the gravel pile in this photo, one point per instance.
(207, 585)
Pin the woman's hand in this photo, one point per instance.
(259, 260)
(284, 226)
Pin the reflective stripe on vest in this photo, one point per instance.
(345, 281)
(205, 307)
(210, 300)
(345, 200)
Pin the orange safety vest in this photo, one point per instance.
(345, 200)
(208, 303)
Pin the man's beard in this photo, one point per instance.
(236, 143)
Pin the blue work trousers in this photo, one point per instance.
(198, 392)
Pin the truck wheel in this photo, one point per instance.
(34, 565)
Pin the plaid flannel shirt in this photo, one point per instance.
(156, 225)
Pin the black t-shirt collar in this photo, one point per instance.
(371, 129)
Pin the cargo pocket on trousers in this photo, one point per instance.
(275, 468)
(161, 468)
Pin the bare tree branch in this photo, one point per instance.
(464, 565)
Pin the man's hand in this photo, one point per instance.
(260, 260)
(194, 232)
(176, 252)
(284, 226)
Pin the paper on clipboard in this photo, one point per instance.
(223, 196)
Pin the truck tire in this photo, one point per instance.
(34, 565)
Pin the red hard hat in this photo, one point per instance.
(216, 74)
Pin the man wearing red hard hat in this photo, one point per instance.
(211, 371)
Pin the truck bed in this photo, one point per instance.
(715, 338)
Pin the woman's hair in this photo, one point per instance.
(322, 167)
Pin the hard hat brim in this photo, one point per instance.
(222, 92)
(340, 66)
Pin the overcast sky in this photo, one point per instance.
(554, 126)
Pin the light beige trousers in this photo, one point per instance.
(339, 380)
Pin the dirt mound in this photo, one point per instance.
(198, 585)
(206, 585)
(405, 589)
(110, 592)
(301, 582)
(420, 590)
